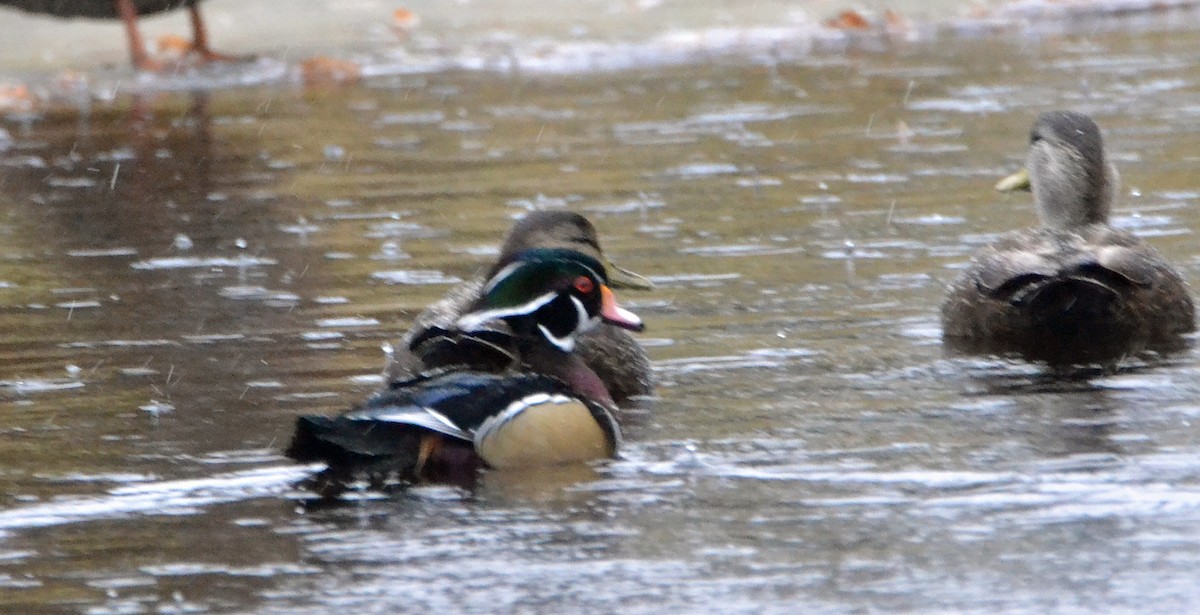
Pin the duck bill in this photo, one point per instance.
(616, 315)
(625, 279)
(1016, 181)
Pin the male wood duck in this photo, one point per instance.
(128, 11)
(545, 407)
(1074, 291)
(611, 353)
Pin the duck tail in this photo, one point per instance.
(319, 438)
(1073, 303)
(356, 450)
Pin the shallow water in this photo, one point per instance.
(182, 274)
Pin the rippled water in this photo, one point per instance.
(183, 274)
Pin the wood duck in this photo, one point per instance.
(545, 407)
(128, 11)
(1074, 291)
(611, 353)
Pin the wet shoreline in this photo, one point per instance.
(56, 56)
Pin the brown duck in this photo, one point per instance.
(611, 353)
(1074, 291)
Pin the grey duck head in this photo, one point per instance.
(567, 230)
(1066, 167)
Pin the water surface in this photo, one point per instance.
(181, 274)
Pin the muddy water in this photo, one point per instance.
(183, 274)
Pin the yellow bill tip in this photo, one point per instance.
(1014, 182)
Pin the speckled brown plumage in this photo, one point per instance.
(1075, 291)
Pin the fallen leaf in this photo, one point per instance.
(322, 70)
(849, 20)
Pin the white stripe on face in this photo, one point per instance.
(474, 320)
(583, 321)
(501, 275)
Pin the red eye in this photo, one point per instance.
(585, 285)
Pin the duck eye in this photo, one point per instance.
(584, 285)
(1034, 137)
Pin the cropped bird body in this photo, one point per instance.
(128, 11)
(1075, 291)
(96, 9)
(544, 407)
(616, 358)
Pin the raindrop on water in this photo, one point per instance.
(334, 152)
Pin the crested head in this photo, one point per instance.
(1073, 184)
(551, 295)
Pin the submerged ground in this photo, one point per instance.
(187, 262)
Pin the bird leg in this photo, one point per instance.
(200, 40)
(137, 49)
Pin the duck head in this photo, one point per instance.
(1066, 167)
(570, 231)
(551, 294)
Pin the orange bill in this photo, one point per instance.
(616, 315)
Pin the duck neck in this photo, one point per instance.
(543, 358)
(1067, 199)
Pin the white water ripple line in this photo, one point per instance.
(157, 497)
(191, 262)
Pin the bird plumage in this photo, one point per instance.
(1075, 290)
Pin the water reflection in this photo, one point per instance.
(145, 219)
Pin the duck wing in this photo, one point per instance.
(488, 349)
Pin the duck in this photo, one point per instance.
(1075, 290)
(128, 11)
(614, 355)
(547, 407)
